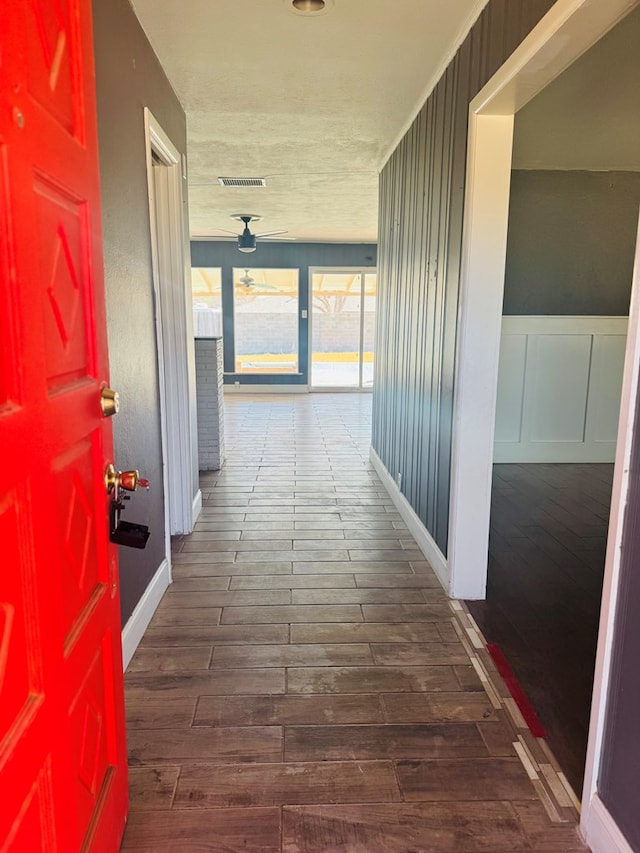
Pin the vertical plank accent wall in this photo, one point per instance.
(419, 253)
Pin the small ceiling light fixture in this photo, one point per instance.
(309, 6)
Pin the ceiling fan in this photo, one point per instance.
(247, 240)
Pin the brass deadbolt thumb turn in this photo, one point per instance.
(109, 402)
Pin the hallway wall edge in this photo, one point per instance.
(424, 540)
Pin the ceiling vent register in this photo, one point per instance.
(242, 182)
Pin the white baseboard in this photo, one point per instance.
(265, 389)
(196, 507)
(424, 540)
(145, 608)
(601, 832)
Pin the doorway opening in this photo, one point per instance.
(564, 327)
(342, 328)
(566, 32)
(173, 330)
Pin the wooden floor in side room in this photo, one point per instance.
(546, 565)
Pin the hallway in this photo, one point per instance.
(305, 684)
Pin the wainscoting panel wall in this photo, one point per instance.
(419, 251)
(559, 389)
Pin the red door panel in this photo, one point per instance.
(63, 784)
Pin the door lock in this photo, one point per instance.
(124, 532)
(127, 480)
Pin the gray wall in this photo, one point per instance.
(300, 256)
(595, 216)
(556, 130)
(420, 228)
(128, 78)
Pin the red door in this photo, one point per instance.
(63, 784)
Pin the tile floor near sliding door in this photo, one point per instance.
(306, 686)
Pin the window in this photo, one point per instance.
(206, 291)
(266, 320)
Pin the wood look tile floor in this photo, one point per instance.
(306, 686)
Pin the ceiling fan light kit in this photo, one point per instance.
(247, 240)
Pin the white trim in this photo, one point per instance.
(139, 620)
(433, 81)
(244, 388)
(565, 324)
(423, 538)
(479, 322)
(568, 29)
(601, 832)
(196, 507)
(172, 326)
(611, 582)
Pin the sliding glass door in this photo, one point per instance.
(343, 309)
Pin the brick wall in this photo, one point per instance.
(209, 395)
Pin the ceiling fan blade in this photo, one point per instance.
(270, 233)
(224, 231)
(281, 239)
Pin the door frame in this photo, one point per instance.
(338, 270)
(563, 34)
(174, 334)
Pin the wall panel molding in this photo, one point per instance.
(559, 389)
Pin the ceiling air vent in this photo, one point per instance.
(242, 182)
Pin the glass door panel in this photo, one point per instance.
(369, 327)
(343, 320)
(265, 306)
(206, 291)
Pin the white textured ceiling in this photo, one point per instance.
(314, 104)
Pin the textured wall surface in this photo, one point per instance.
(556, 130)
(594, 213)
(420, 234)
(276, 256)
(128, 78)
(210, 397)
